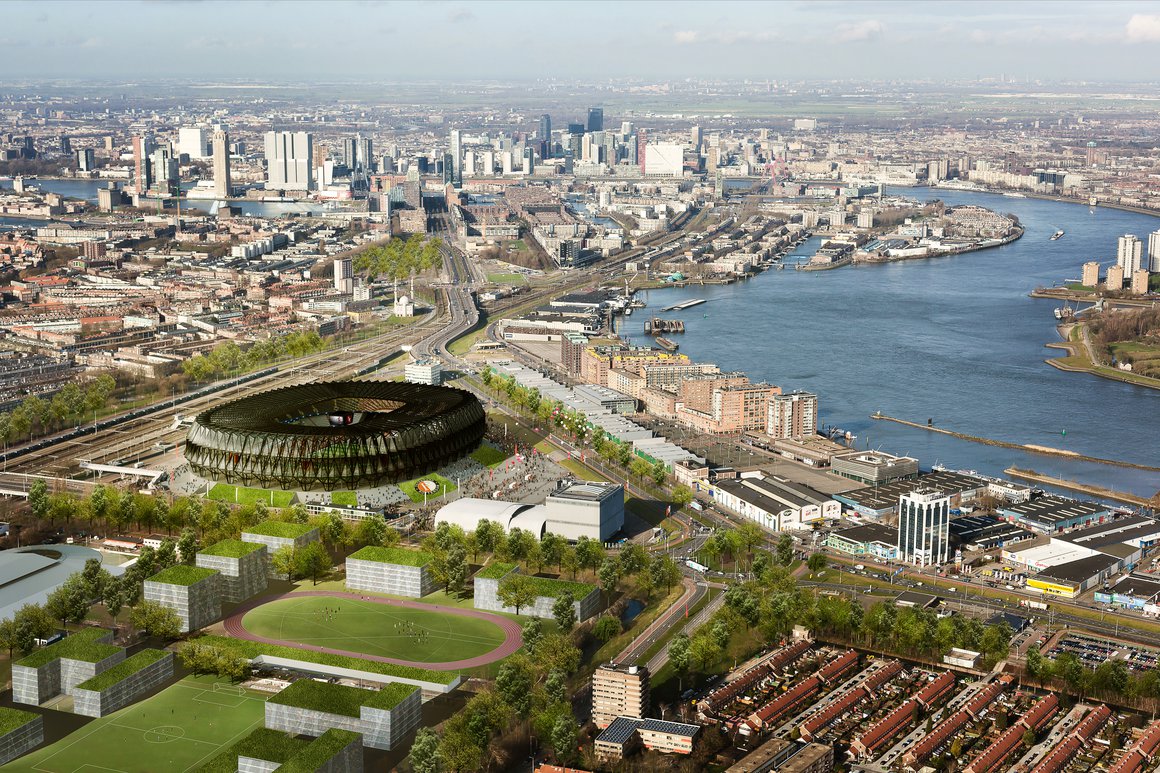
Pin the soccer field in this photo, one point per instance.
(423, 636)
(179, 729)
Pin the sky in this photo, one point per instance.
(391, 40)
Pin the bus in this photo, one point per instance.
(696, 567)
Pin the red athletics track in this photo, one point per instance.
(511, 629)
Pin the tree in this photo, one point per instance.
(519, 544)
(187, 546)
(116, 597)
(564, 611)
(633, 558)
(488, 535)
(704, 651)
(32, 622)
(609, 575)
(531, 633)
(313, 560)
(589, 553)
(784, 552)
(9, 636)
(679, 652)
(1034, 662)
(681, 496)
(372, 531)
(94, 579)
(155, 620)
(38, 498)
(70, 602)
(517, 591)
(816, 562)
(332, 529)
(425, 751)
(284, 561)
(514, 683)
(166, 554)
(1028, 738)
(563, 737)
(606, 628)
(552, 548)
(639, 468)
(556, 687)
(455, 568)
(664, 571)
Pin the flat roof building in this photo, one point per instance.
(1049, 514)
(874, 467)
(619, 691)
(871, 539)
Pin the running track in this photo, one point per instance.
(511, 629)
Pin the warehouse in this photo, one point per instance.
(1071, 579)
(986, 532)
(1048, 514)
(871, 539)
(880, 501)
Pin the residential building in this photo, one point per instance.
(221, 164)
(924, 527)
(794, 415)
(1115, 278)
(142, 174)
(1129, 253)
(85, 160)
(191, 141)
(1140, 281)
(619, 691)
(289, 157)
(344, 276)
(1154, 252)
(1091, 270)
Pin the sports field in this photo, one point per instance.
(371, 628)
(179, 729)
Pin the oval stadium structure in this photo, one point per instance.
(339, 434)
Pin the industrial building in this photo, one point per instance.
(878, 501)
(871, 539)
(874, 467)
(1049, 514)
(774, 503)
(574, 510)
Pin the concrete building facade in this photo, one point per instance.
(924, 527)
(195, 597)
(619, 691)
(390, 570)
(241, 567)
(98, 703)
(20, 739)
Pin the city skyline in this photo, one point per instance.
(1028, 41)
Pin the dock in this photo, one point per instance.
(667, 345)
(684, 305)
(656, 326)
(1083, 488)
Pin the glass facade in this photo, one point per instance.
(924, 527)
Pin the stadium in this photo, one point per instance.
(339, 434)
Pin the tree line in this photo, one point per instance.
(71, 404)
(399, 258)
(227, 357)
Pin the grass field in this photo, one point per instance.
(224, 492)
(489, 456)
(507, 279)
(374, 629)
(179, 729)
(344, 498)
(408, 487)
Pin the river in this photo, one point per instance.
(954, 339)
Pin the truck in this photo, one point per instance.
(696, 567)
(1031, 604)
(860, 567)
(696, 506)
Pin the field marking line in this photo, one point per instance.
(143, 731)
(97, 725)
(228, 744)
(98, 767)
(215, 702)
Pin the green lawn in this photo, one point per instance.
(507, 279)
(374, 629)
(344, 498)
(224, 492)
(488, 456)
(179, 729)
(409, 489)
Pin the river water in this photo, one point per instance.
(955, 339)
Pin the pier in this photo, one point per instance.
(656, 326)
(1028, 447)
(684, 305)
(1083, 488)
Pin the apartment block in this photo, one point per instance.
(619, 691)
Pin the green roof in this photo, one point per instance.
(496, 570)
(262, 744)
(320, 751)
(546, 586)
(251, 650)
(182, 575)
(279, 529)
(339, 698)
(81, 645)
(400, 556)
(11, 719)
(123, 670)
(231, 548)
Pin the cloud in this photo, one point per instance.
(726, 38)
(460, 15)
(868, 29)
(1143, 28)
(684, 37)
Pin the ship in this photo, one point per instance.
(667, 345)
(1057, 235)
(1064, 312)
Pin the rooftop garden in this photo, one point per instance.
(279, 529)
(251, 650)
(262, 744)
(182, 575)
(339, 698)
(320, 751)
(496, 570)
(82, 645)
(400, 556)
(231, 548)
(12, 719)
(123, 670)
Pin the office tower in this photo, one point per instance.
(343, 276)
(164, 170)
(529, 161)
(192, 141)
(288, 161)
(488, 163)
(626, 129)
(349, 152)
(1091, 274)
(794, 415)
(619, 691)
(65, 144)
(142, 175)
(456, 156)
(85, 160)
(1154, 252)
(109, 145)
(1115, 278)
(595, 119)
(221, 163)
(1129, 254)
(696, 138)
(507, 162)
(924, 527)
(575, 128)
(364, 153)
(545, 133)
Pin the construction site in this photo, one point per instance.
(806, 707)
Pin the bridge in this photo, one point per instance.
(114, 469)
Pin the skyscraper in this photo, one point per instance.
(289, 157)
(142, 175)
(793, 415)
(545, 134)
(221, 163)
(596, 119)
(1129, 253)
(164, 169)
(456, 156)
(343, 276)
(85, 160)
(1154, 252)
(696, 138)
(924, 527)
(191, 140)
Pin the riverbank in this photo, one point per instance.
(1078, 361)
(1049, 197)
(990, 244)
(1082, 488)
(1029, 447)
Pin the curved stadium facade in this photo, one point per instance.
(339, 434)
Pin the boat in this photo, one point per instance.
(667, 345)
(1064, 312)
(1015, 195)
(1057, 235)
(627, 310)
